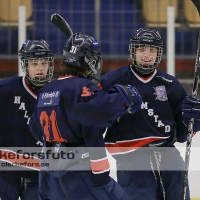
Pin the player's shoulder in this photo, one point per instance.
(116, 74)
(49, 86)
(170, 82)
(15, 80)
(86, 83)
(165, 77)
(77, 82)
(67, 83)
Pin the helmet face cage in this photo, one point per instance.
(37, 51)
(146, 38)
(84, 52)
(38, 81)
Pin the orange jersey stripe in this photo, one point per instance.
(100, 166)
(128, 146)
(99, 86)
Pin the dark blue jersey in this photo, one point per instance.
(17, 103)
(74, 111)
(158, 122)
(16, 107)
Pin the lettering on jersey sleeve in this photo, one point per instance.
(86, 92)
(48, 99)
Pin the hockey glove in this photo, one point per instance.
(191, 107)
(130, 95)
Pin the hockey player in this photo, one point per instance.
(153, 171)
(72, 112)
(18, 98)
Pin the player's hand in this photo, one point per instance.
(191, 107)
(130, 95)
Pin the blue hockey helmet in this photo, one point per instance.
(146, 37)
(34, 50)
(84, 52)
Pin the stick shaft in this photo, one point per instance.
(191, 121)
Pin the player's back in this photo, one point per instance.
(57, 103)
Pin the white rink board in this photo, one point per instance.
(194, 166)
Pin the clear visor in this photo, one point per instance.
(38, 71)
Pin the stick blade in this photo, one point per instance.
(61, 23)
(197, 4)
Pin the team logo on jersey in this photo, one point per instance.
(161, 93)
(86, 92)
(48, 98)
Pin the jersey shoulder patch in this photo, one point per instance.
(86, 92)
(49, 98)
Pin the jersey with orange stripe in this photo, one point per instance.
(154, 170)
(73, 111)
(159, 121)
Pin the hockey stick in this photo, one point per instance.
(191, 121)
(61, 23)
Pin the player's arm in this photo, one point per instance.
(176, 100)
(105, 186)
(103, 108)
(191, 109)
(93, 138)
